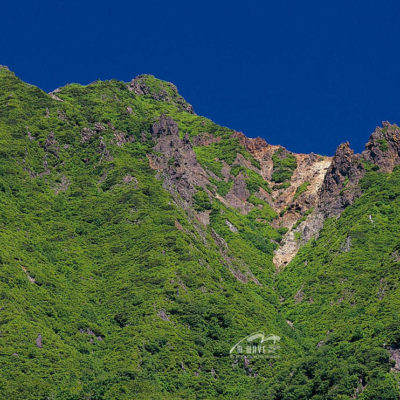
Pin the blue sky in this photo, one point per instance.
(304, 74)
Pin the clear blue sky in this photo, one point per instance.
(304, 74)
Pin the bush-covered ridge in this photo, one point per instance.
(129, 294)
(136, 249)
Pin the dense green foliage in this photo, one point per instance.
(383, 144)
(130, 298)
(201, 201)
(133, 299)
(284, 165)
(301, 189)
(348, 298)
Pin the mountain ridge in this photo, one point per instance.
(139, 242)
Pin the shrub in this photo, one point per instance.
(201, 201)
(284, 165)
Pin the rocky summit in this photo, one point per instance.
(149, 253)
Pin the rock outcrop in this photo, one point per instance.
(383, 147)
(333, 192)
(340, 186)
(148, 85)
(39, 342)
(295, 200)
(175, 159)
(251, 145)
(315, 187)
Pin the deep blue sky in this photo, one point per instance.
(304, 74)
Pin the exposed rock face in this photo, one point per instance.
(340, 186)
(288, 200)
(39, 341)
(291, 244)
(395, 356)
(333, 191)
(383, 147)
(204, 217)
(120, 138)
(51, 145)
(346, 246)
(251, 145)
(231, 227)
(62, 186)
(162, 92)
(130, 179)
(319, 187)
(165, 126)
(176, 159)
(311, 169)
(177, 164)
(163, 315)
(205, 139)
(238, 195)
(88, 133)
(138, 86)
(54, 96)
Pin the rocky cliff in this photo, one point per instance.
(303, 189)
(338, 185)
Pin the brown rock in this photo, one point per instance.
(395, 356)
(163, 315)
(383, 147)
(51, 145)
(140, 87)
(205, 139)
(176, 159)
(340, 187)
(251, 145)
(87, 134)
(129, 179)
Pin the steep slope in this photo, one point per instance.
(337, 186)
(342, 291)
(111, 286)
(139, 243)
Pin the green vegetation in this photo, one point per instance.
(226, 149)
(303, 218)
(301, 189)
(350, 298)
(383, 144)
(283, 230)
(254, 181)
(223, 187)
(284, 165)
(134, 298)
(201, 201)
(130, 298)
(283, 185)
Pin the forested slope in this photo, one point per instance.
(137, 246)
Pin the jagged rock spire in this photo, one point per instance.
(383, 147)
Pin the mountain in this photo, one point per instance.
(148, 253)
